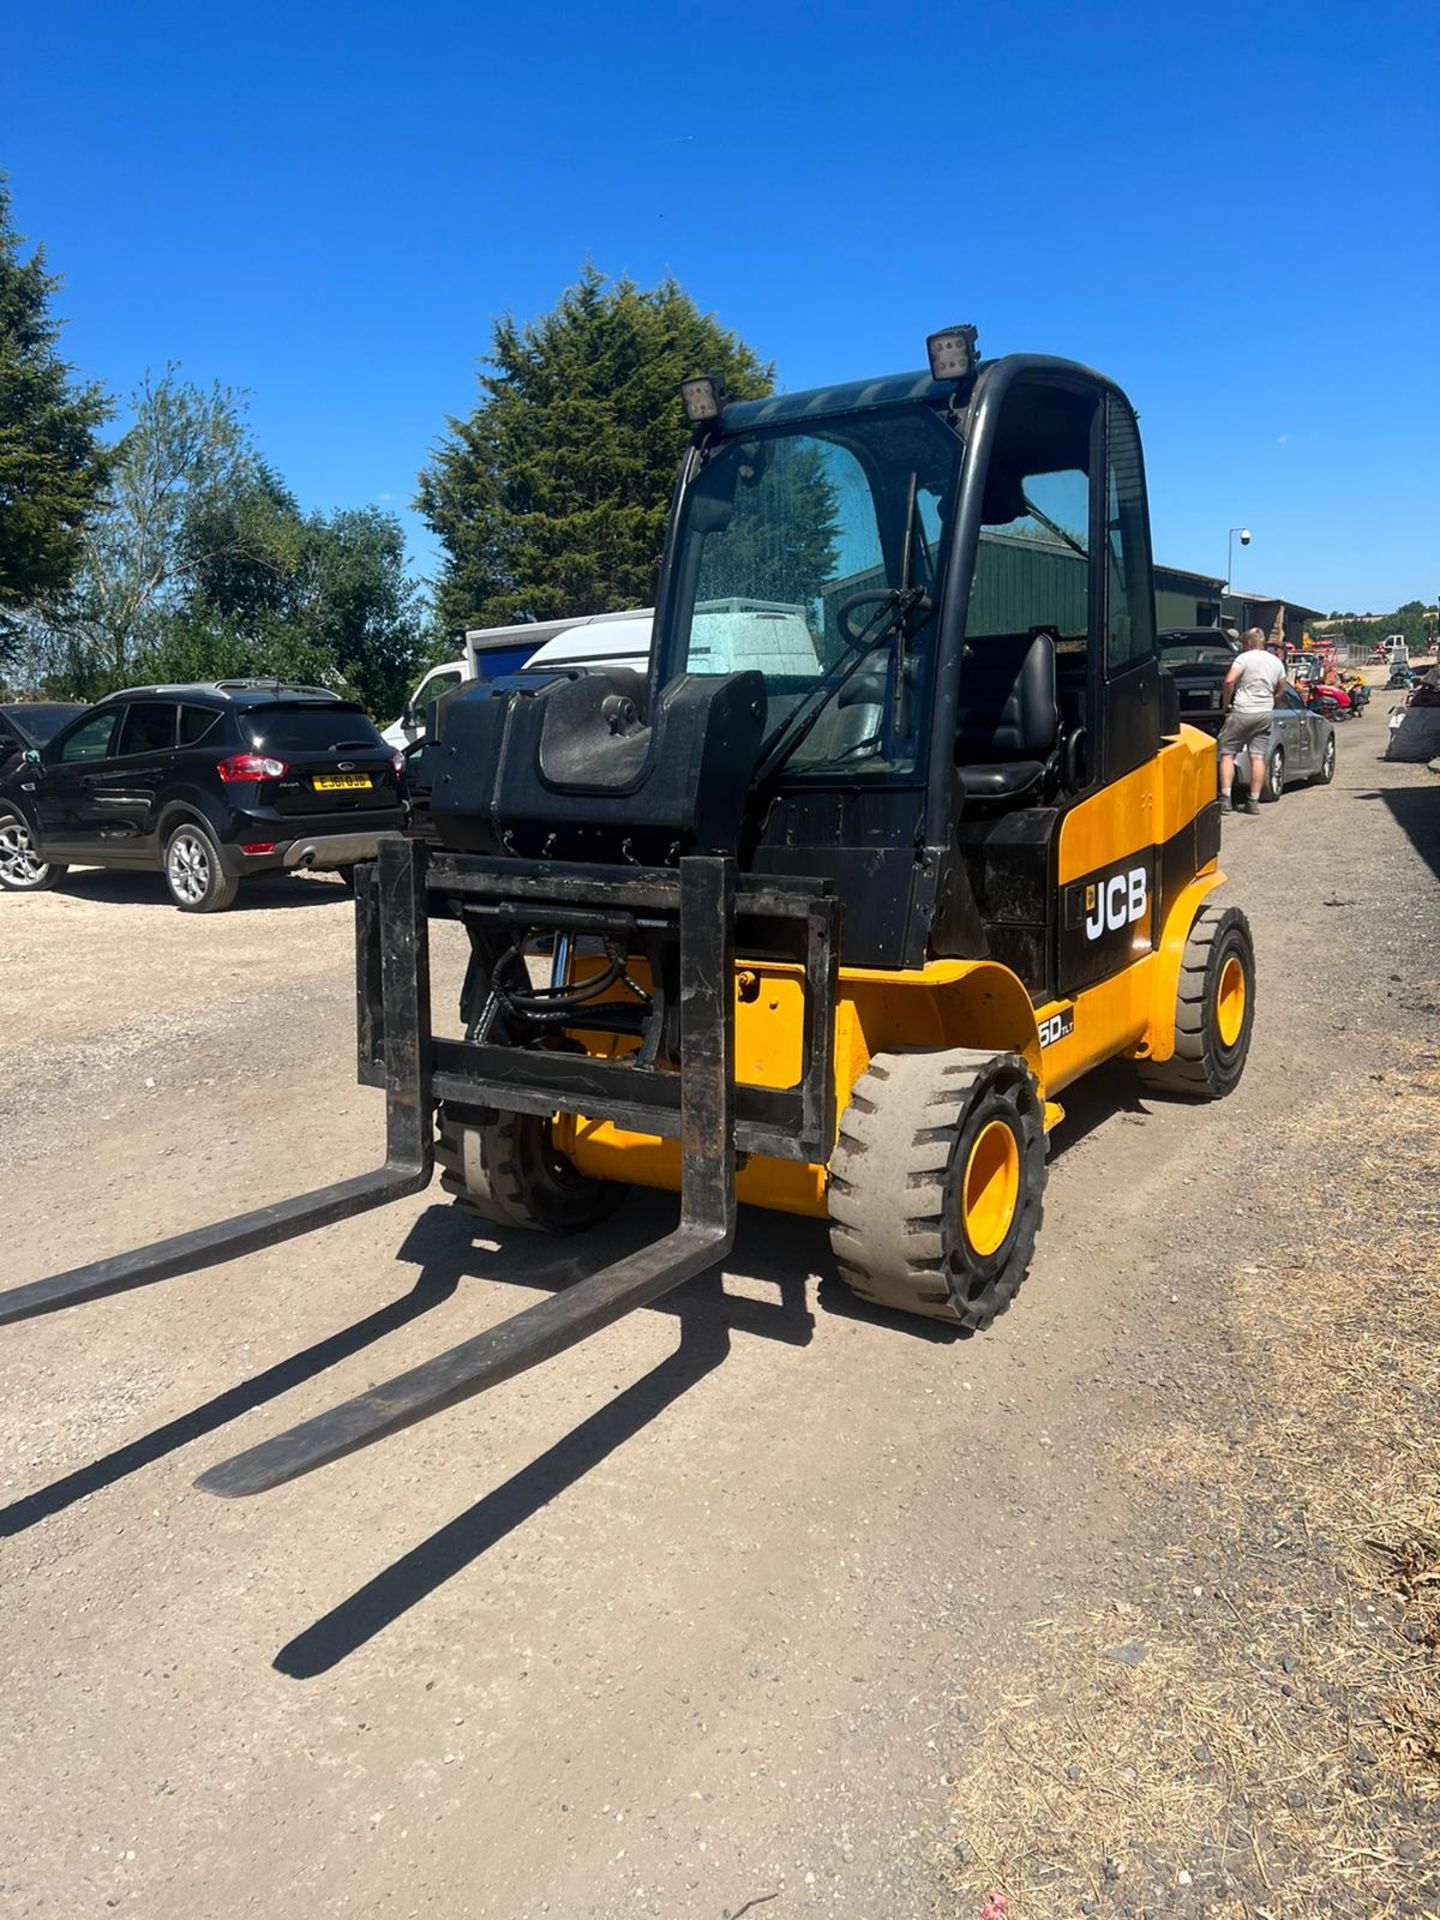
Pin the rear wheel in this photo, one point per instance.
(197, 881)
(1273, 784)
(937, 1183)
(1327, 764)
(507, 1168)
(1214, 1009)
(22, 870)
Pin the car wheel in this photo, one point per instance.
(1274, 784)
(21, 868)
(197, 881)
(1327, 764)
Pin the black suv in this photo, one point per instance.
(207, 783)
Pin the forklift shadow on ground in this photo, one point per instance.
(452, 1250)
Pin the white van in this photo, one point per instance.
(491, 652)
(726, 636)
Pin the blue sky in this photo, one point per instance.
(1233, 210)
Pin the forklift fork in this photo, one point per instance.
(705, 1233)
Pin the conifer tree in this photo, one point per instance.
(550, 498)
(52, 465)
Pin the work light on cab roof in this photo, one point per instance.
(952, 352)
(703, 397)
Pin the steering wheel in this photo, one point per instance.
(860, 641)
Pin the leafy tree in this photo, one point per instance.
(203, 566)
(185, 453)
(352, 601)
(52, 465)
(550, 498)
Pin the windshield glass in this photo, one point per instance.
(812, 555)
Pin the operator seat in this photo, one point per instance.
(1008, 738)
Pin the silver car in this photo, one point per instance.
(1299, 746)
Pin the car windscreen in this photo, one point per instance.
(310, 728)
(38, 723)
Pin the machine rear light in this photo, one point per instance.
(251, 766)
(259, 846)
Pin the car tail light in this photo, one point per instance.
(251, 766)
(259, 846)
(397, 761)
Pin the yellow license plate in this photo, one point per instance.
(340, 782)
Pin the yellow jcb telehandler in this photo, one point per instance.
(898, 837)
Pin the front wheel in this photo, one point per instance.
(197, 881)
(22, 869)
(937, 1183)
(1214, 1009)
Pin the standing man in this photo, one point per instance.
(1249, 702)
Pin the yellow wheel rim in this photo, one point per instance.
(1230, 1001)
(991, 1189)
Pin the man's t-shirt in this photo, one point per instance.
(1260, 674)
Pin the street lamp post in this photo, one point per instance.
(1244, 533)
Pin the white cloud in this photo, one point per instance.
(1282, 440)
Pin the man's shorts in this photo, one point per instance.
(1241, 728)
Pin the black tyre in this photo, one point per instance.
(1327, 764)
(1214, 1009)
(507, 1168)
(21, 868)
(937, 1183)
(197, 881)
(1273, 785)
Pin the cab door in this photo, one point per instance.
(1107, 854)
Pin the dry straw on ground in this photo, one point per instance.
(1255, 1729)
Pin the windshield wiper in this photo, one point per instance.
(1058, 531)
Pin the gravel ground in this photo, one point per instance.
(707, 1612)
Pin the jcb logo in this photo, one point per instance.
(1115, 903)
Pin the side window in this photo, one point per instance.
(1033, 570)
(149, 728)
(1129, 593)
(197, 724)
(90, 740)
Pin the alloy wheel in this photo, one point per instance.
(20, 865)
(187, 867)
